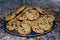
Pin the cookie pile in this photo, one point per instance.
(24, 20)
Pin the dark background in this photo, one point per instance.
(8, 6)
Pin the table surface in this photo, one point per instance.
(8, 6)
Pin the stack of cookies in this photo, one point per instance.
(24, 20)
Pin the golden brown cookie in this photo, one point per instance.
(12, 15)
(9, 17)
(49, 18)
(22, 16)
(46, 22)
(39, 9)
(11, 25)
(19, 10)
(36, 28)
(24, 29)
(31, 13)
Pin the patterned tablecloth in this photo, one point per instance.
(8, 6)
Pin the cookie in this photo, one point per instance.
(12, 15)
(35, 27)
(31, 14)
(19, 10)
(49, 18)
(41, 11)
(24, 29)
(45, 22)
(22, 16)
(13, 24)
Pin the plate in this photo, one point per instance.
(32, 34)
